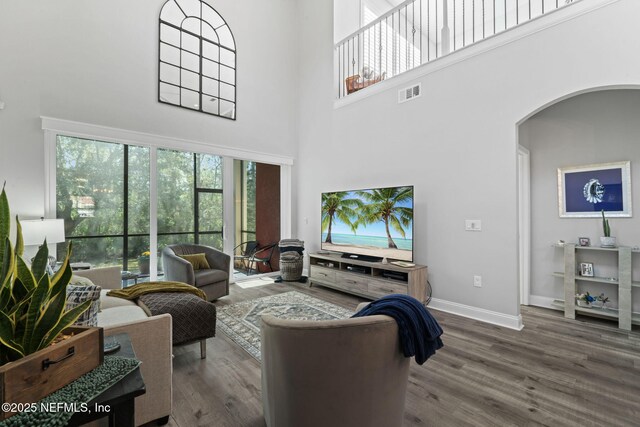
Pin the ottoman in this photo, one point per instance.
(194, 319)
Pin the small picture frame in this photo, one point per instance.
(586, 269)
(584, 241)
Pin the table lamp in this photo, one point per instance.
(35, 231)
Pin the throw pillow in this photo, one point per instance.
(77, 294)
(198, 261)
(80, 281)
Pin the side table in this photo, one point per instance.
(128, 275)
(120, 397)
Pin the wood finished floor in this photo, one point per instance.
(555, 372)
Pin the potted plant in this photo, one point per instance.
(39, 350)
(585, 300)
(143, 262)
(607, 241)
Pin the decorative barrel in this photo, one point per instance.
(291, 266)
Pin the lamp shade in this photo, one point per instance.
(34, 231)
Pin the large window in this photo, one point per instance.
(245, 172)
(102, 193)
(197, 59)
(189, 198)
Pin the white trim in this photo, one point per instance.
(285, 202)
(124, 136)
(153, 213)
(524, 223)
(508, 36)
(493, 317)
(50, 174)
(228, 209)
(545, 302)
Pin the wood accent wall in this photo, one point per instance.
(268, 209)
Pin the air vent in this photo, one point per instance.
(409, 93)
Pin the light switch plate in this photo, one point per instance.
(472, 225)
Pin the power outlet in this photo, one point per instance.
(477, 281)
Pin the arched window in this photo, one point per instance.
(197, 67)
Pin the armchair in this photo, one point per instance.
(214, 282)
(335, 373)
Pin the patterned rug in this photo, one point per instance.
(241, 321)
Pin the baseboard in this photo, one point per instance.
(540, 301)
(488, 316)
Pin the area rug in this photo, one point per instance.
(252, 283)
(241, 321)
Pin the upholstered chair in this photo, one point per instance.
(214, 281)
(336, 373)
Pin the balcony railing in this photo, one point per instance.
(419, 31)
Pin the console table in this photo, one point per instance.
(367, 279)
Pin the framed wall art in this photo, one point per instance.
(585, 191)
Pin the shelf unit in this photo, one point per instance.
(623, 282)
(333, 271)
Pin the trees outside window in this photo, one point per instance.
(102, 193)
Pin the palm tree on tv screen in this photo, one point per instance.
(337, 205)
(382, 205)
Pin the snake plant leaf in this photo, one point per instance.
(18, 292)
(5, 220)
(63, 275)
(19, 309)
(7, 334)
(66, 320)
(35, 306)
(24, 274)
(19, 240)
(6, 270)
(39, 265)
(6, 274)
(50, 317)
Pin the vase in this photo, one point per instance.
(607, 242)
(143, 265)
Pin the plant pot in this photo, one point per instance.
(39, 374)
(607, 242)
(143, 265)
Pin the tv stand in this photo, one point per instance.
(368, 258)
(367, 279)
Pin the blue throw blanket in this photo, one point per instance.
(419, 331)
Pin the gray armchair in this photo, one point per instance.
(337, 373)
(214, 282)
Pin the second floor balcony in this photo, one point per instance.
(392, 37)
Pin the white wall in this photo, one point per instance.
(346, 18)
(96, 62)
(591, 128)
(457, 143)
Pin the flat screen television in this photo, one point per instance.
(369, 224)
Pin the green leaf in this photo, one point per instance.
(18, 291)
(33, 313)
(19, 240)
(65, 321)
(49, 318)
(61, 279)
(24, 274)
(7, 263)
(39, 265)
(5, 219)
(7, 336)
